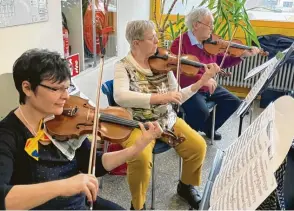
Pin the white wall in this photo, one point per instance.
(17, 39)
(128, 10)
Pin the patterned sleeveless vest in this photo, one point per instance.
(157, 83)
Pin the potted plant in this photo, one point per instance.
(228, 14)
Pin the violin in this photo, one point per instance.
(216, 45)
(115, 123)
(163, 61)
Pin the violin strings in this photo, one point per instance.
(126, 122)
(114, 119)
(192, 63)
(237, 45)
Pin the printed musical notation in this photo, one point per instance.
(250, 189)
(246, 177)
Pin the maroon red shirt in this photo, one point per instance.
(191, 46)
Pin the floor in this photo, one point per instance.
(115, 188)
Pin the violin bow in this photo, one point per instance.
(179, 66)
(92, 160)
(226, 52)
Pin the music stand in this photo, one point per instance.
(265, 79)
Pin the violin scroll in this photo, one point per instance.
(163, 62)
(172, 139)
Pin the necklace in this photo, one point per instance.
(32, 129)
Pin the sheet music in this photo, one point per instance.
(250, 189)
(257, 87)
(236, 166)
(260, 122)
(258, 69)
(246, 177)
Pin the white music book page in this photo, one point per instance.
(250, 189)
(237, 166)
(261, 67)
(258, 86)
(246, 177)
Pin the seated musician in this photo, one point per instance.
(34, 172)
(150, 96)
(200, 26)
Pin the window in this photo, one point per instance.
(106, 26)
(287, 4)
(273, 10)
(78, 30)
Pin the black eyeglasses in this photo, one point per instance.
(60, 90)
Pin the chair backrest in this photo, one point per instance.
(107, 89)
(8, 94)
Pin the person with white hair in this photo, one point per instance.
(200, 24)
(149, 96)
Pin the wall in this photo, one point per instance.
(128, 10)
(15, 40)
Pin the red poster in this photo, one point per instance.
(74, 64)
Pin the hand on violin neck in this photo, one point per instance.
(150, 132)
(247, 53)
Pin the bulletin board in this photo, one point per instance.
(19, 12)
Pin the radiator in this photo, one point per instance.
(283, 81)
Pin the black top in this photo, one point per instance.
(18, 168)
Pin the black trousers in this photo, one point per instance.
(103, 204)
(289, 181)
(197, 113)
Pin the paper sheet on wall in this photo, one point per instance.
(18, 12)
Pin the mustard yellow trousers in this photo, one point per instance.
(192, 150)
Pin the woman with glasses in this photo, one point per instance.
(35, 171)
(200, 26)
(150, 96)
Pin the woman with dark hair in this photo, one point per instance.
(36, 172)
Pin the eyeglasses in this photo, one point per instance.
(60, 90)
(210, 26)
(154, 37)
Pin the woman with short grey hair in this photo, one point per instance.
(135, 30)
(150, 96)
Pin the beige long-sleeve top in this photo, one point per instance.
(128, 99)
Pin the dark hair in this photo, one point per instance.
(36, 65)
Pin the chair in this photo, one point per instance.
(10, 99)
(160, 147)
(212, 108)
